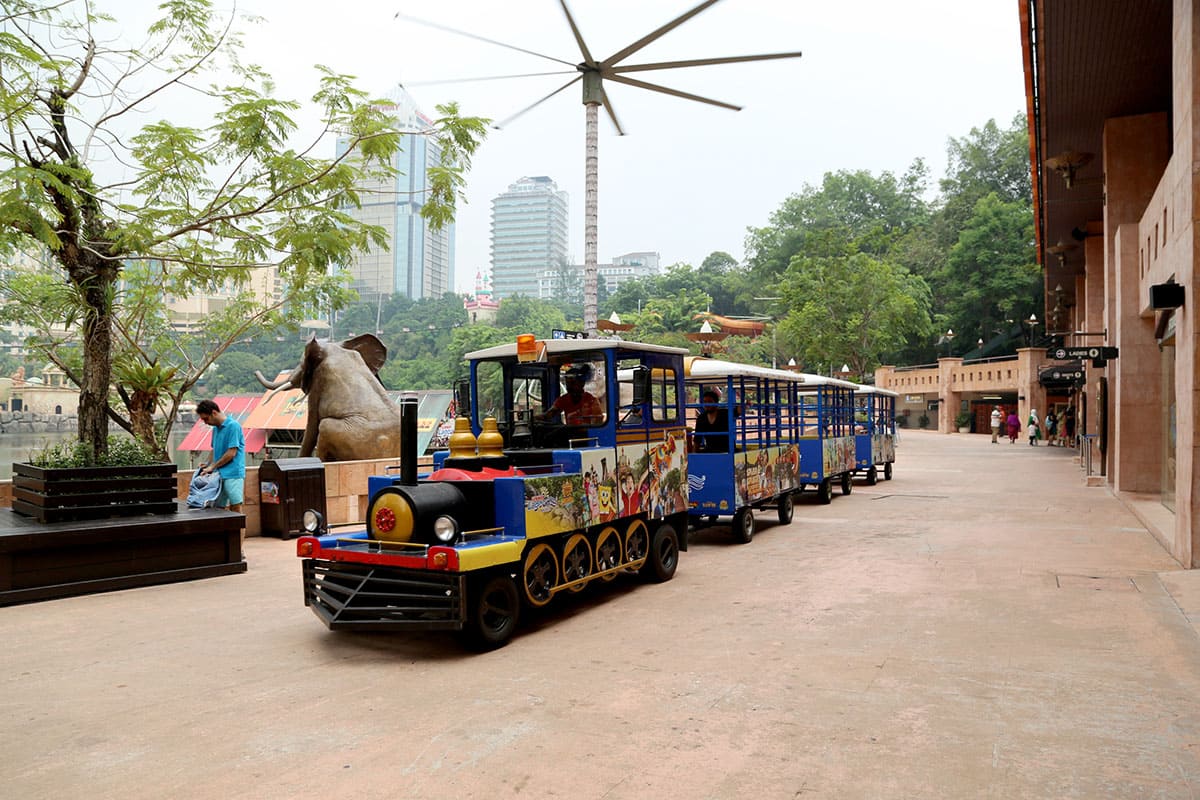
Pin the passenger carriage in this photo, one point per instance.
(525, 505)
(874, 432)
(752, 460)
(827, 444)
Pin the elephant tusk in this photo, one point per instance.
(270, 384)
(281, 387)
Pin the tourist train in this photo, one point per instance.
(574, 461)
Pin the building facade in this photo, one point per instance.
(568, 284)
(1114, 127)
(420, 261)
(529, 238)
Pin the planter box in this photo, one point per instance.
(53, 495)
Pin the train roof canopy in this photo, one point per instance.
(710, 368)
(864, 388)
(554, 347)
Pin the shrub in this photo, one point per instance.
(122, 452)
(963, 420)
(923, 420)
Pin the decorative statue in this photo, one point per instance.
(350, 416)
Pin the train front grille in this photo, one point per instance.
(348, 596)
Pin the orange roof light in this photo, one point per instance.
(526, 347)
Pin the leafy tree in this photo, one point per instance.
(718, 262)
(991, 276)
(200, 208)
(851, 310)
(867, 213)
(530, 315)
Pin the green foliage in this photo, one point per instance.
(224, 205)
(122, 451)
(851, 310)
(530, 315)
(990, 276)
(962, 419)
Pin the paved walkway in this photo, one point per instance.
(982, 626)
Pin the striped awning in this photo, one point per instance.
(239, 407)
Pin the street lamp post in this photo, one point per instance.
(948, 337)
(1032, 322)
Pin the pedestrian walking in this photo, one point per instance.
(997, 418)
(1069, 425)
(1014, 426)
(1033, 427)
(1051, 429)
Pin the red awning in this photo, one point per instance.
(199, 438)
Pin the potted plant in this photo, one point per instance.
(923, 421)
(60, 482)
(963, 421)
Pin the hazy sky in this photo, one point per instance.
(880, 84)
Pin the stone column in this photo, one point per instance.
(1136, 151)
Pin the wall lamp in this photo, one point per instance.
(1068, 163)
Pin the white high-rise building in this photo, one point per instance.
(420, 262)
(529, 237)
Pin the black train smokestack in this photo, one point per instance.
(408, 439)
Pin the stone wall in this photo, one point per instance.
(32, 422)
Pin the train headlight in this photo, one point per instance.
(445, 529)
(312, 521)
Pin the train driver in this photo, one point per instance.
(577, 405)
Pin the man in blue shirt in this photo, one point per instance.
(228, 455)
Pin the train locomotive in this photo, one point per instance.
(568, 466)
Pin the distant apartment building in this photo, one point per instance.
(420, 261)
(529, 238)
(186, 313)
(628, 267)
(609, 277)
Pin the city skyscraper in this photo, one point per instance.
(529, 237)
(420, 262)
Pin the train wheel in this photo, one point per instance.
(887, 471)
(608, 551)
(785, 508)
(495, 608)
(663, 557)
(743, 525)
(541, 574)
(872, 476)
(637, 542)
(847, 486)
(825, 491)
(576, 561)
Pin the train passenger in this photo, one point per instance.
(712, 420)
(577, 405)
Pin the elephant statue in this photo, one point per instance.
(350, 416)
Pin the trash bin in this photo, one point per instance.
(287, 488)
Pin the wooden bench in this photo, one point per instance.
(40, 561)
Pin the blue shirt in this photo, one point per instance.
(225, 437)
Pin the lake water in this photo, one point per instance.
(18, 446)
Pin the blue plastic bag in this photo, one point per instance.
(203, 490)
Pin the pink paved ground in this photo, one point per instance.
(982, 626)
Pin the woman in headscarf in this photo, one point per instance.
(1035, 432)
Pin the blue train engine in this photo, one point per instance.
(567, 467)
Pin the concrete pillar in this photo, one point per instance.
(1135, 442)
(1136, 151)
(949, 398)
